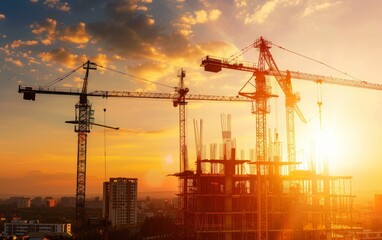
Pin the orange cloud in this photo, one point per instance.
(60, 55)
(198, 17)
(240, 3)
(2, 16)
(133, 6)
(48, 27)
(46, 42)
(18, 43)
(74, 34)
(201, 16)
(318, 7)
(100, 59)
(152, 71)
(126, 22)
(56, 4)
(261, 13)
(15, 62)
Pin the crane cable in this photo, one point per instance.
(314, 60)
(240, 53)
(140, 78)
(58, 79)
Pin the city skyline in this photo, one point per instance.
(153, 40)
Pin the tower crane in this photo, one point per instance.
(215, 64)
(83, 119)
(262, 94)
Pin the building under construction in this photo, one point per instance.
(231, 199)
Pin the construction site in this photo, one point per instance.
(227, 194)
(235, 198)
(262, 196)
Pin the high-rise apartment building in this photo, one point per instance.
(120, 201)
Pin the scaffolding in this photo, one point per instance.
(223, 197)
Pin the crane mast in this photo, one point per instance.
(261, 95)
(291, 100)
(83, 118)
(180, 101)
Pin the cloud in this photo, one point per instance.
(261, 12)
(60, 55)
(33, 1)
(133, 34)
(240, 3)
(56, 4)
(2, 16)
(46, 30)
(214, 14)
(198, 17)
(128, 31)
(127, 28)
(74, 34)
(100, 59)
(15, 62)
(151, 70)
(315, 7)
(71, 60)
(18, 43)
(254, 13)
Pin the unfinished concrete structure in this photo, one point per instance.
(231, 199)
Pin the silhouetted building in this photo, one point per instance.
(120, 201)
(94, 203)
(21, 202)
(38, 202)
(51, 202)
(68, 202)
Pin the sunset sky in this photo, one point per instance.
(41, 40)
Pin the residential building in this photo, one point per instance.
(23, 227)
(38, 202)
(51, 202)
(120, 201)
(68, 202)
(21, 202)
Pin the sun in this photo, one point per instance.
(326, 149)
(321, 152)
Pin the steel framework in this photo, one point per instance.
(224, 204)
